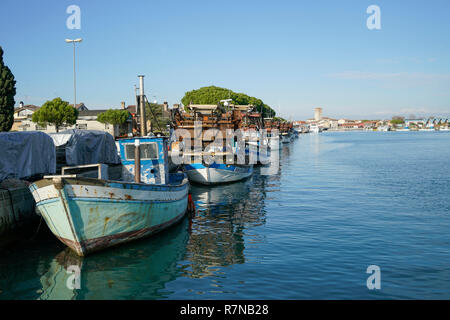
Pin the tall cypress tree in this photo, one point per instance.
(7, 93)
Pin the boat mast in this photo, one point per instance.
(142, 106)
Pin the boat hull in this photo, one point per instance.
(18, 218)
(90, 214)
(274, 143)
(217, 173)
(285, 139)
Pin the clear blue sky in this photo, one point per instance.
(294, 55)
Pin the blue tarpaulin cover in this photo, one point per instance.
(87, 147)
(26, 154)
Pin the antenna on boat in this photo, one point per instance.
(142, 106)
(137, 99)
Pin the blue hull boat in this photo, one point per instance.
(90, 214)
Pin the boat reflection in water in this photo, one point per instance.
(137, 270)
(218, 236)
(219, 229)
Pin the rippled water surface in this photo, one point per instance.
(340, 202)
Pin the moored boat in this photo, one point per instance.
(314, 128)
(233, 158)
(92, 213)
(274, 142)
(217, 173)
(285, 138)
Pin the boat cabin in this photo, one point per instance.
(153, 157)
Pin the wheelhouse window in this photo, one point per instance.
(148, 151)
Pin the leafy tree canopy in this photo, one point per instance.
(113, 116)
(56, 112)
(7, 93)
(279, 119)
(398, 120)
(213, 95)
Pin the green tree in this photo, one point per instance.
(154, 113)
(213, 95)
(56, 112)
(114, 116)
(280, 119)
(7, 93)
(398, 120)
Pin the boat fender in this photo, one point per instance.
(191, 205)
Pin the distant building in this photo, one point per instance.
(370, 124)
(352, 126)
(318, 114)
(87, 120)
(81, 107)
(22, 113)
(328, 123)
(419, 123)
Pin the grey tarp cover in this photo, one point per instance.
(25, 154)
(87, 147)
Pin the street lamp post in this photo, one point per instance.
(74, 72)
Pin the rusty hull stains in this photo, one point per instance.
(96, 244)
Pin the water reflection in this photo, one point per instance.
(219, 229)
(137, 270)
(195, 248)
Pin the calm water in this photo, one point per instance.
(340, 202)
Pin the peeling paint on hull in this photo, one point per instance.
(88, 215)
(97, 244)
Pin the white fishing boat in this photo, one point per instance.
(274, 143)
(314, 128)
(217, 173)
(427, 129)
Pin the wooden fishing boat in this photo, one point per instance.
(272, 128)
(93, 207)
(221, 119)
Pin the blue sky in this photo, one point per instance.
(294, 55)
